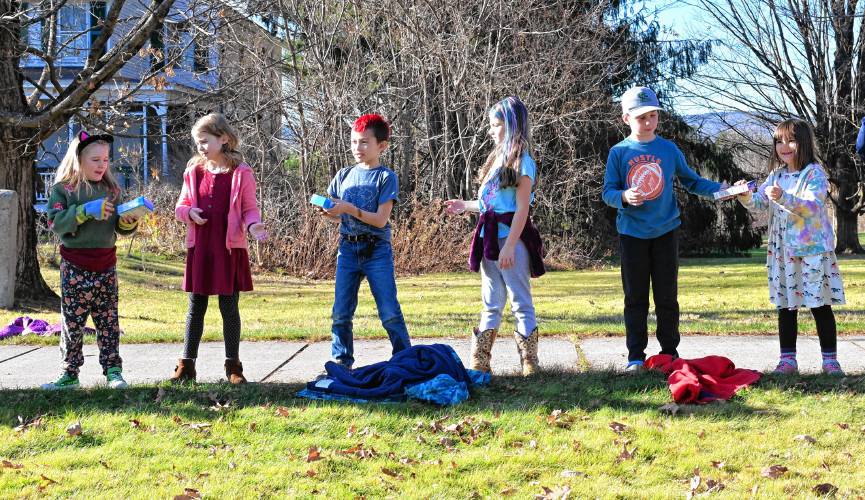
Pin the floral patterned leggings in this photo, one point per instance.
(86, 293)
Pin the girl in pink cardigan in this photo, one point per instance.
(218, 205)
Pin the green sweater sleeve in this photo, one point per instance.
(62, 215)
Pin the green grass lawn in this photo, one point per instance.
(514, 438)
(717, 296)
(518, 438)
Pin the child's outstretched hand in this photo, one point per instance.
(455, 207)
(747, 194)
(195, 216)
(724, 186)
(774, 191)
(258, 231)
(128, 220)
(633, 197)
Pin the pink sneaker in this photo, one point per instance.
(833, 368)
(786, 367)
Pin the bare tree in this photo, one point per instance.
(800, 58)
(27, 120)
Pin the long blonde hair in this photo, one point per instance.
(216, 124)
(69, 172)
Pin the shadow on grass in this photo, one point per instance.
(584, 392)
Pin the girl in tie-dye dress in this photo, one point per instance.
(801, 263)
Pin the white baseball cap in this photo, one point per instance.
(639, 100)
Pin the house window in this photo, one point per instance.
(97, 15)
(73, 39)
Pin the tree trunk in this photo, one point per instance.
(17, 153)
(846, 220)
(17, 173)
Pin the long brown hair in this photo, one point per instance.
(806, 145)
(216, 124)
(69, 171)
(516, 141)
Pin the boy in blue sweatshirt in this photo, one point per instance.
(639, 183)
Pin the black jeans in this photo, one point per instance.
(654, 261)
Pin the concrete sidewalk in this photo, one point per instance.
(297, 361)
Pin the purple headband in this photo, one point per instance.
(85, 139)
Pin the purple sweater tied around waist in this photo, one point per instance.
(487, 246)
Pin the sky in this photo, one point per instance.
(682, 21)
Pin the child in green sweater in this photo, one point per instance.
(81, 212)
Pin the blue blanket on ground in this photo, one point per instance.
(427, 372)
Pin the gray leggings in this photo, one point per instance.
(195, 324)
(497, 285)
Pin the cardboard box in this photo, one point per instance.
(321, 201)
(138, 208)
(734, 190)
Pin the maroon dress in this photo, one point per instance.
(210, 268)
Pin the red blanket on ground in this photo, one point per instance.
(702, 380)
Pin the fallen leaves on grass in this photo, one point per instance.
(391, 473)
(556, 493)
(718, 464)
(561, 419)
(843, 426)
(774, 471)
(805, 437)
(311, 473)
(34, 422)
(508, 491)
(359, 451)
(825, 489)
(618, 427)
(625, 454)
(282, 411)
(6, 464)
(220, 404)
(74, 429)
(188, 494)
(313, 454)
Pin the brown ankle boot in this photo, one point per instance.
(528, 348)
(234, 371)
(184, 371)
(482, 347)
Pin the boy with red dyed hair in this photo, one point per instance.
(363, 196)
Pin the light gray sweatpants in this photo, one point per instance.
(497, 285)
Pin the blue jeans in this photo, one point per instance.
(352, 265)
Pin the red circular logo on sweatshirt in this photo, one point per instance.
(647, 179)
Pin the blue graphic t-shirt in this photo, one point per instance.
(504, 200)
(365, 188)
(650, 168)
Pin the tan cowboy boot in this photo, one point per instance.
(482, 347)
(184, 371)
(528, 348)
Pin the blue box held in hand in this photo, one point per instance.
(138, 208)
(320, 201)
